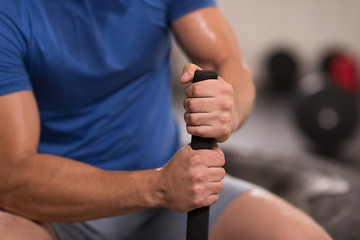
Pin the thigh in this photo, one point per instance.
(159, 223)
(16, 227)
(260, 214)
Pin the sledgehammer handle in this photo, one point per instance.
(198, 219)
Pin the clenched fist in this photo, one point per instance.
(209, 106)
(192, 179)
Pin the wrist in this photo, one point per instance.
(155, 196)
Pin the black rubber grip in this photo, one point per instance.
(198, 219)
(198, 224)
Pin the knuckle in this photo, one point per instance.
(198, 202)
(191, 105)
(196, 89)
(195, 160)
(222, 162)
(227, 104)
(222, 159)
(190, 130)
(222, 154)
(221, 187)
(185, 103)
(216, 198)
(223, 172)
(197, 177)
(192, 119)
(211, 200)
(228, 89)
(225, 118)
(198, 190)
(225, 129)
(186, 116)
(194, 130)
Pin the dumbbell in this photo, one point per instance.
(324, 113)
(342, 68)
(281, 70)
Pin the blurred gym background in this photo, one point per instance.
(302, 139)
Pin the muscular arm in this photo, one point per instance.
(51, 188)
(46, 188)
(209, 41)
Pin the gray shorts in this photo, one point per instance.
(158, 223)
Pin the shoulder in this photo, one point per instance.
(13, 8)
(14, 16)
(179, 8)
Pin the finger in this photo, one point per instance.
(216, 174)
(198, 105)
(209, 196)
(213, 194)
(205, 105)
(215, 188)
(213, 159)
(210, 200)
(200, 119)
(209, 131)
(188, 72)
(207, 124)
(201, 131)
(207, 158)
(218, 150)
(208, 88)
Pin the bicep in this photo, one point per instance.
(206, 37)
(20, 125)
(19, 121)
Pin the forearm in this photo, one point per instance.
(49, 188)
(209, 41)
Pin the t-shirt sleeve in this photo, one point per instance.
(179, 8)
(13, 74)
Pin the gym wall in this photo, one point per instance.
(308, 27)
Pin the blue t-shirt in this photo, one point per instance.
(100, 74)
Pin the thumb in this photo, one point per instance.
(188, 73)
